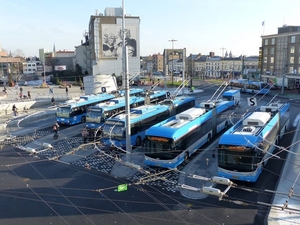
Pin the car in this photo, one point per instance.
(22, 83)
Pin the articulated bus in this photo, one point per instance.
(141, 118)
(247, 146)
(97, 114)
(252, 87)
(74, 111)
(172, 141)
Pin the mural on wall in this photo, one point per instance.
(112, 40)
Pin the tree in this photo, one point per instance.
(18, 53)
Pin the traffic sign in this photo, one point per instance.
(252, 101)
(122, 187)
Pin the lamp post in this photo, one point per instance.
(172, 40)
(222, 60)
(283, 69)
(44, 69)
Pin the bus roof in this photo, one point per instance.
(231, 92)
(253, 128)
(178, 125)
(140, 113)
(177, 100)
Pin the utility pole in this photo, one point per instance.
(222, 59)
(172, 40)
(284, 69)
(44, 83)
(126, 85)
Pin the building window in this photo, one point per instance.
(273, 41)
(292, 51)
(272, 60)
(293, 39)
(265, 51)
(292, 59)
(266, 41)
(272, 50)
(265, 59)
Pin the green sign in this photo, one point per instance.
(122, 187)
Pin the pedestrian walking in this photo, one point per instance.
(85, 134)
(67, 90)
(15, 110)
(52, 101)
(21, 91)
(28, 94)
(55, 128)
(17, 89)
(4, 89)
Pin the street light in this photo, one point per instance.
(284, 68)
(222, 59)
(172, 40)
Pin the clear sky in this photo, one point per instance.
(200, 26)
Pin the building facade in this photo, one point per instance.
(158, 62)
(280, 53)
(106, 42)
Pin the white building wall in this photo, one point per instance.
(113, 64)
(29, 68)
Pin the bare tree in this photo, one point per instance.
(18, 53)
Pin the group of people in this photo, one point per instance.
(23, 96)
(85, 132)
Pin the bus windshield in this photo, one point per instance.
(113, 129)
(236, 160)
(94, 116)
(227, 98)
(63, 112)
(157, 147)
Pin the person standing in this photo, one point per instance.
(53, 101)
(15, 110)
(67, 90)
(28, 94)
(85, 134)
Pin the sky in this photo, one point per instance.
(200, 26)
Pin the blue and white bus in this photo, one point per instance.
(252, 87)
(141, 118)
(97, 114)
(172, 141)
(74, 111)
(247, 146)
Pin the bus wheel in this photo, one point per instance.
(83, 119)
(138, 141)
(186, 156)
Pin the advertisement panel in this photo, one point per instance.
(60, 68)
(112, 40)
